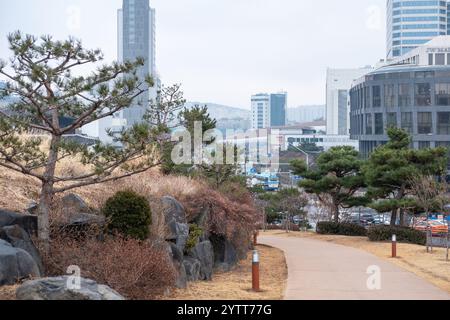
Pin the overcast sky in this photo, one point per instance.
(223, 51)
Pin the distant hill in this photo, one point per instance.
(219, 111)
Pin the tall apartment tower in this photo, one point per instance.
(269, 110)
(136, 38)
(339, 82)
(260, 111)
(413, 23)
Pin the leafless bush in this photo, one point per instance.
(137, 270)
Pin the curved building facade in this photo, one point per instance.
(413, 97)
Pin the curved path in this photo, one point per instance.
(320, 270)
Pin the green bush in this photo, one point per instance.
(128, 214)
(404, 234)
(343, 229)
(195, 232)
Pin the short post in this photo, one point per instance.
(394, 246)
(255, 271)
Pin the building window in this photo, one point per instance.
(369, 124)
(422, 94)
(391, 120)
(444, 144)
(366, 97)
(379, 125)
(443, 123)
(389, 95)
(404, 95)
(430, 59)
(424, 144)
(440, 59)
(442, 91)
(407, 122)
(424, 123)
(376, 96)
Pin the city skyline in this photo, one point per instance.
(220, 61)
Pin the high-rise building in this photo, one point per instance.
(136, 38)
(260, 111)
(339, 82)
(269, 110)
(413, 23)
(278, 106)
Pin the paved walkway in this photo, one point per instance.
(320, 270)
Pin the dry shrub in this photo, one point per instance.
(137, 270)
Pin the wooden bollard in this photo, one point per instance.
(255, 271)
(394, 246)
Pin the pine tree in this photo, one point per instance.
(337, 177)
(41, 77)
(390, 171)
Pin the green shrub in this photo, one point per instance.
(195, 232)
(128, 214)
(404, 234)
(343, 229)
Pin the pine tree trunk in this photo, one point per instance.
(47, 193)
(393, 217)
(336, 213)
(402, 218)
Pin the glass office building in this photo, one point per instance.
(413, 97)
(278, 106)
(413, 23)
(136, 38)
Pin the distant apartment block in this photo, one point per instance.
(269, 110)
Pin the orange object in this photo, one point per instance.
(255, 271)
(394, 246)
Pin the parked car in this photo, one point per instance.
(436, 226)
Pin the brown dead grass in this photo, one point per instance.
(432, 267)
(8, 293)
(236, 285)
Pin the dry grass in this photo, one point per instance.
(236, 285)
(430, 266)
(8, 292)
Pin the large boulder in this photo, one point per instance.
(204, 253)
(192, 267)
(177, 260)
(175, 219)
(61, 288)
(73, 203)
(15, 264)
(225, 254)
(25, 221)
(19, 238)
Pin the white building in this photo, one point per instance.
(303, 114)
(324, 141)
(436, 52)
(413, 23)
(269, 110)
(339, 82)
(260, 111)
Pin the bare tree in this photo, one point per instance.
(429, 194)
